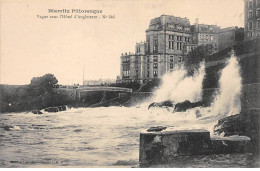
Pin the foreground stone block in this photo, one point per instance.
(162, 147)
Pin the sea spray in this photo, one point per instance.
(177, 86)
(227, 102)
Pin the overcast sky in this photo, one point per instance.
(33, 47)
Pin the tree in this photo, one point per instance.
(40, 85)
(198, 54)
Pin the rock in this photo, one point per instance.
(8, 127)
(53, 109)
(36, 112)
(183, 106)
(126, 162)
(232, 125)
(167, 103)
(156, 129)
(56, 109)
(62, 108)
(246, 124)
(197, 113)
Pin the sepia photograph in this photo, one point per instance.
(129, 84)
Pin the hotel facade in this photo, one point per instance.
(169, 39)
(252, 19)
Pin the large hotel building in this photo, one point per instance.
(252, 19)
(168, 40)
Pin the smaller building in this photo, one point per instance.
(98, 82)
(229, 37)
(132, 65)
(205, 35)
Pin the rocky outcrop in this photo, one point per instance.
(62, 108)
(52, 109)
(232, 125)
(55, 109)
(183, 106)
(156, 129)
(36, 112)
(167, 103)
(246, 124)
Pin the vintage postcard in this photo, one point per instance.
(129, 83)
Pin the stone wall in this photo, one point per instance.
(138, 97)
(250, 97)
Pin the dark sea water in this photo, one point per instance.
(95, 137)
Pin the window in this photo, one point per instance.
(171, 41)
(250, 25)
(148, 44)
(180, 46)
(138, 49)
(148, 74)
(258, 24)
(250, 14)
(126, 67)
(155, 73)
(250, 5)
(148, 61)
(171, 58)
(155, 65)
(171, 65)
(155, 59)
(155, 45)
(254, 24)
(126, 70)
(179, 59)
(258, 13)
(211, 38)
